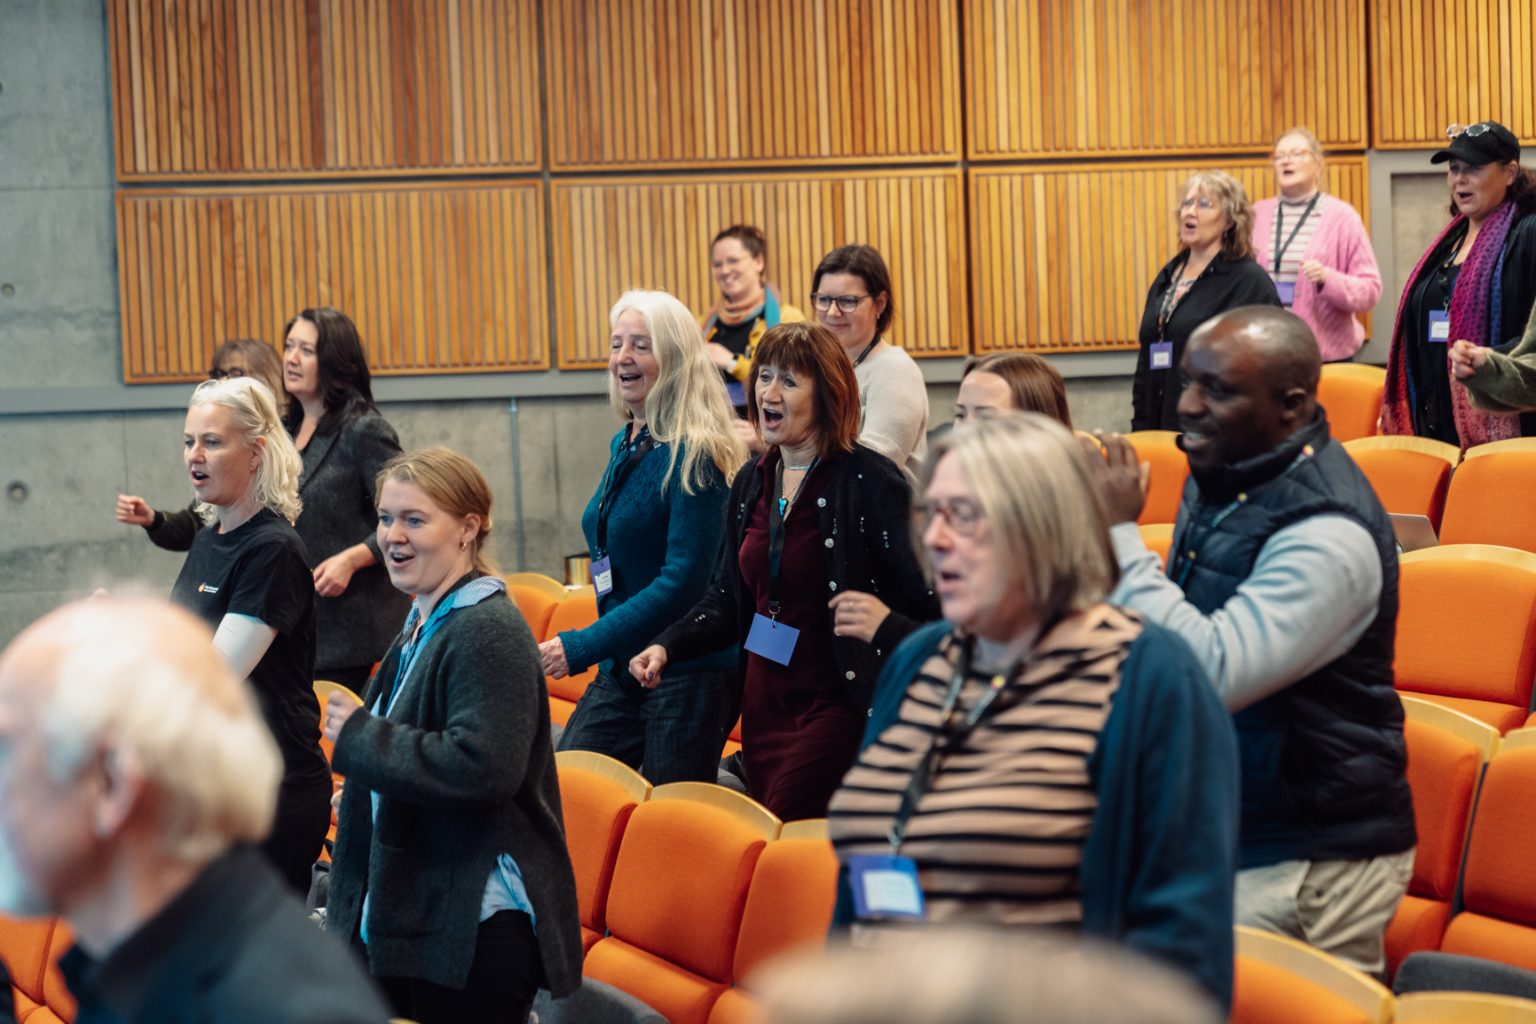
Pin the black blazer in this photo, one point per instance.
(866, 524)
(1226, 284)
(336, 486)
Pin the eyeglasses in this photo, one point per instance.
(218, 373)
(1282, 155)
(846, 303)
(1204, 202)
(961, 515)
(1471, 131)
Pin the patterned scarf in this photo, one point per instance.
(1475, 316)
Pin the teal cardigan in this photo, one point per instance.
(1160, 859)
(663, 549)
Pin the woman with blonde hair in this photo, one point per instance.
(1315, 248)
(246, 576)
(451, 869)
(1213, 271)
(1040, 757)
(653, 527)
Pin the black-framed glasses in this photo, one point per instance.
(962, 515)
(846, 303)
(218, 373)
(1471, 131)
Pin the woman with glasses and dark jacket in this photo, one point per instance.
(1469, 296)
(851, 293)
(818, 514)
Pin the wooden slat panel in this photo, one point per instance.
(613, 234)
(1440, 62)
(698, 83)
(214, 89)
(440, 279)
(1052, 78)
(1062, 257)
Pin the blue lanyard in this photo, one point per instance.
(412, 650)
(1184, 555)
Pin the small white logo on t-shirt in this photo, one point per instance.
(207, 588)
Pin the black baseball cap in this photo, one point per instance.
(1480, 144)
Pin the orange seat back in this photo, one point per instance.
(1350, 394)
(577, 611)
(1499, 921)
(1170, 468)
(1407, 482)
(1492, 604)
(597, 811)
(789, 903)
(31, 948)
(1158, 537)
(537, 605)
(1492, 500)
(1263, 993)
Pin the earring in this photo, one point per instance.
(463, 544)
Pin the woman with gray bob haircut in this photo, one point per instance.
(247, 577)
(1039, 758)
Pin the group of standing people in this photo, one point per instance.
(1462, 362)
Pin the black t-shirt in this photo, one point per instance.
(259, 569)
(1433, 413)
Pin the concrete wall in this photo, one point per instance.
(72, 436)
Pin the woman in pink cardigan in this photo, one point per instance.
(1315, 249)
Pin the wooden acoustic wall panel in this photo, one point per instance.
(1062, 256)
(1439, 62)
(212, 89)
(440, 279)
(698, 83)
(611, 235)
(1126, 77)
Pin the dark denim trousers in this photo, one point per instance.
(670, 734)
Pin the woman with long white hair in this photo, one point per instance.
(653, 528)
(247, 577)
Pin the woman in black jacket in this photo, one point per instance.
(1214, 271)
(816, 515)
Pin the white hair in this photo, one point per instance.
(688, 405)
(256, 414)
(188, 724)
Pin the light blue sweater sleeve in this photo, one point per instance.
(1314, 589)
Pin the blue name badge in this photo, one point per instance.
(1162, 355)
(602, 575)
(1439, 325)
(885, 887)
(1287, 292)
(772, 640)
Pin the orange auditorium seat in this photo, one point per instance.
(597, 795)
(1466, 630)
(1446, 754)
(577, 611)
(1350, 393)
(788, 905)
(1169, 470)
(1498, 921)
(1158, 537)
(1410, 475)
(678, 895)
(31, 949)
(536, 605)
(1492, 499)
(732, 741)
(1281, 981)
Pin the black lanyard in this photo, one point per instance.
(776, 511)
(1171, 296)
(867, 350)
(922, 774)
(619, 468)
(1280, 216)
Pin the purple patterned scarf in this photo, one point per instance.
(1470, 305)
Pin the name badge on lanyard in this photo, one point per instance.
(1162, 355)
(885, 887)
(1287, 292)
(602, 575)
(1439, 325)
(771, 639)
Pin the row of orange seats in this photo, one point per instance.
(549, 607)
(685, 889)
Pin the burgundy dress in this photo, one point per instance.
(800, 732)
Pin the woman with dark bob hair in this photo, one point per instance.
(851, 293)
(817, 514)
(344, 442)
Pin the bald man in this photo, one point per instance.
(136, 772)
(1282, 577)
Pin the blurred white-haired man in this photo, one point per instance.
(135, 772)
